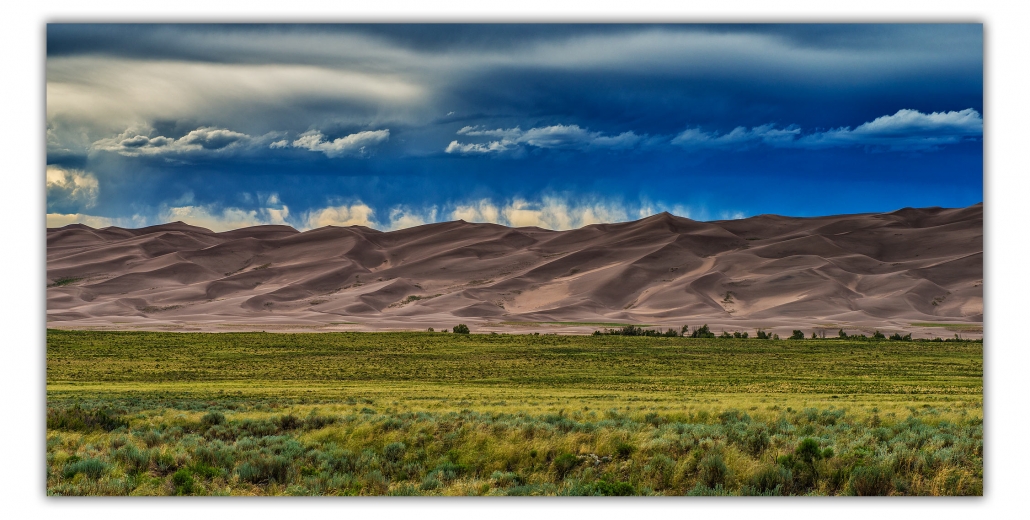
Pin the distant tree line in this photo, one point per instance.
(705, 332)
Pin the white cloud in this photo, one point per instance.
(224, 219)
(549, 212)
(402, 217)
(137, 141)
(353, 144)
(480, 211)
(510, 133)
(56, 220)
(471, 148)
(207, 217)
(65, 185)
(358, 214)
(554, 136)
(906, 129)
(282, 143)
(738, 137)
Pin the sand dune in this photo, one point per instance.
(858, 272)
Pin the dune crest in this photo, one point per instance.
(857, 272)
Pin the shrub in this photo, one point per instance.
(212, 419)
(430, 483)
(461, 328)
(797, 335)
(92, 468)
(753, 439)
(841, 334)
(394, 451)
(771, 480)
(317, 422)
(623, 450)
(288, 422)
(613, 489)
(809, 451)
(712, 471)
(564, 463)
(870, 481)
(761, 334)
(135, 460)
(183, 482)
(265, 468)
(80, 420)
(879, 335)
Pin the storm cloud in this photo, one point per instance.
(396, 125)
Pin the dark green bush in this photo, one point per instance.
(288, 422)
(797, 334)
(461, 328)
(808, 451)
(81, 420)
(212, 419)
(613, 489)
(564, 463)
(623, 450)
(183, 482)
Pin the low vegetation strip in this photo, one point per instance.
(142, 413)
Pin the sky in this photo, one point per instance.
(557, 126)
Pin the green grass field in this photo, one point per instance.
(145, 413)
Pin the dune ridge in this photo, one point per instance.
(887, 271)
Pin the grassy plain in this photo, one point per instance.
(439, 413)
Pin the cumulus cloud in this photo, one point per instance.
(572, 137)
(474, 148)
(353, 144)
(71, 186)
(738, 137)
(905, 130)
(138, 141)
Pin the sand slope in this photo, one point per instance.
(859, 272)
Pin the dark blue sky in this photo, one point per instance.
(550, 125)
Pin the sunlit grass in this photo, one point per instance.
(423, 413)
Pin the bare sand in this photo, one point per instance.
(912, 270)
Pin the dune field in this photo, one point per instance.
(911, 270)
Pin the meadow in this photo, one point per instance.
(148, 413)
